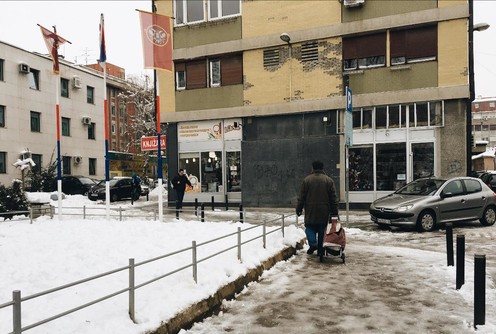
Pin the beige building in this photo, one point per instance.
(258, 88)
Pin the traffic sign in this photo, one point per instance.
(348, 127)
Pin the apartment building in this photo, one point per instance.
(484, 121)
(257, 94)
(28, 118)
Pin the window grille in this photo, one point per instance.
(271, 57)
(310, 51)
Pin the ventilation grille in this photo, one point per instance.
(271, 57)
(310, 51)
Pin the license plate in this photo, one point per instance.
(94, 195)
(383, 221)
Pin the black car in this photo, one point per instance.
(76, 185)
(489, 178)
(120, 188)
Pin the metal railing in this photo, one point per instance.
(18, 299)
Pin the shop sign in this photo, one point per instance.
(151, 143)
(209, 130)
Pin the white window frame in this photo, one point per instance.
(178, 86)
(212, 82)
(185, 13)
(220, 15)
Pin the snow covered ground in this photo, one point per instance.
(394, 281)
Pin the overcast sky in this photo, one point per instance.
(77, 21)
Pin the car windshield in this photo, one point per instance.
(86, 180)
(421, 187)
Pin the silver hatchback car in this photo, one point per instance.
(427, 202)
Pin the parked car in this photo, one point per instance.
(489, 178)
(425, 203)
(120, 188)
(76, 184)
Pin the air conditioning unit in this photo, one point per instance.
(77, 159)
(353, 3)
(76, 82)
(86, 120)
(24, 68)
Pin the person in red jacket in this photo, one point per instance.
(179, 183)
(319, 200)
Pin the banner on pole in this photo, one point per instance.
(156, 37)
(53, 41)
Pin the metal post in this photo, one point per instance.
(84, 211)
(241, 213)
(264, 234)
(120, 213)
(16, 310)
(177, 213)
(196, 207)
(195, 264)
(449, 244)
(282, 226)
(239, 243)
(460, 261)
(479, 290)
(203, 212)
(213, 203)
(154, 215)
(30, 215)
(227, 202)
(131, 290)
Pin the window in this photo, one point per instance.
(66, 165)
(215, 73)
(223, 8)
(426, 114)
(3, 160)
(223, 71)
(91, 166)
(91, 131)
(122, 109)
(112, 108)
(413, 45)
(90, 94)
(233, 168)
(2, 62)
(476, 106)
(64, 87)
(361, 168)
(35, 121)
(491, 104)
(37, 160)
(180, 79)
(66, 126)
(211, 171)
(381, 118)
(34, 79)
(454, 188)
(113, 128)
(364, 51)
(472, 186)
(423, 160)
(2, 116)
(190, 162)
(188, 11)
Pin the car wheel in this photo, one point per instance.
(489, 216)
(114, 197)
(426, 221)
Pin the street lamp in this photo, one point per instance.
(471, 82)
(287, 39)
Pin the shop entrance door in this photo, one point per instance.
(422, 160)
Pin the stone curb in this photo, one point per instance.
(206, 307)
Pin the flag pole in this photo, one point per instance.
(59, 168)
(103, 63)
(159, 148)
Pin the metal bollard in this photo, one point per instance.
(120, 213)
(227, 202)
(84, 211)
(16, 310)
(239, 244)
(177, 213)
(241, 213)
(460, 261)
(195, 261)
(264, 234)
(479, 290)
(196, 207)
(283, 226)
(213, 203)
(203, 212)
(449, 244)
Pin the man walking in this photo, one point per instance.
(318, 198)
(179, 183)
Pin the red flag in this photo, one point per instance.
(156, 37)
(103, 50)
(53, 41)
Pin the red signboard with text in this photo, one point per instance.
(151, 143)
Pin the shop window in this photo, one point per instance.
(421, 114)
(436, 113)
(211, 171)
(361, 168)
(394, 116)
(66, 126)
(190, 162)
(381, 117)
(233, 168)
(362, 118)
(413, 45)
(391, 166)
(362, 52)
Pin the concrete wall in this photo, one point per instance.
(452, 52)
(452, 139)
(209, 98)
(379, 8)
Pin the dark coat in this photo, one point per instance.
(179, 182)
(318, 198)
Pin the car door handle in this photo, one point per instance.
(483, 198)
(463, 200)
